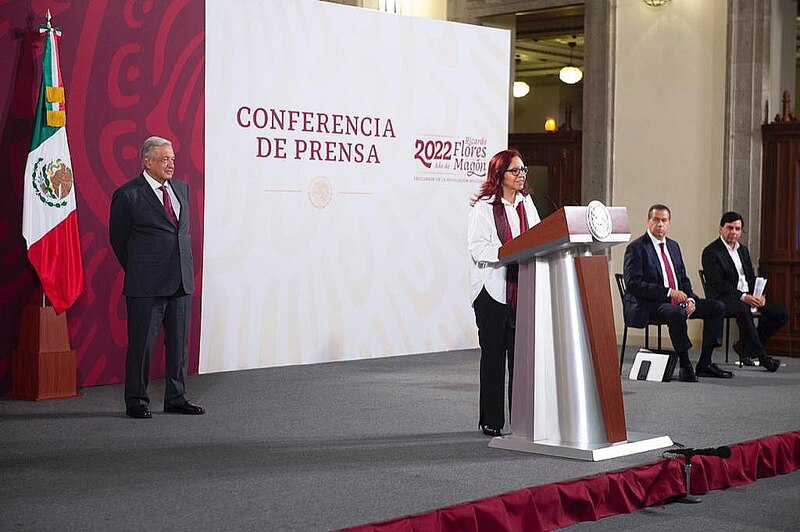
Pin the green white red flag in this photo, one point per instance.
(49, 218)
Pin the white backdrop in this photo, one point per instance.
(316, 253)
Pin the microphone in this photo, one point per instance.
(553, 203)
(571, 201)
(722, 452)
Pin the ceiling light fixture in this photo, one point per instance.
(520, 89)
(655, 3)
(570, 74)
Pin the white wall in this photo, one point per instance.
(669, 123)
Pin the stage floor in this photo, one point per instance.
(341, 444)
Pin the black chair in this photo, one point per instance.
(728, 318)
(656, 323)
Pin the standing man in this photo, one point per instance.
(149, 231)
(730, 278)
(657, 287)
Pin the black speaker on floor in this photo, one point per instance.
(653, 365)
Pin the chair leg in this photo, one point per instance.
(727, 338)
(659, 337)
(647, 337)
(622, 351)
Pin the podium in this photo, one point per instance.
(567, 393)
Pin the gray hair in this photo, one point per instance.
(151, 144)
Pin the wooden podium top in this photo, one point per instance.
(565, 228)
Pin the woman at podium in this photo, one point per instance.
(501, 210)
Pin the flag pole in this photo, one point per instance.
(49, 27)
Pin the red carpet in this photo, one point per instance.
(588, 499)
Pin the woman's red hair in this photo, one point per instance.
(493, 186)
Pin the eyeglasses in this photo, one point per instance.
(518, 170)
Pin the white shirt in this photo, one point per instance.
(176, 205)
(742, 285)
(484, 244)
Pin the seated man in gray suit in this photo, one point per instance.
(657, 287)
(149, 231)
(730, 278)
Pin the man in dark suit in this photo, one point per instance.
(657, 287)
(730, 278)
(149, 231)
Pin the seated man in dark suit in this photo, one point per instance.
(657, 287)
(730, 278)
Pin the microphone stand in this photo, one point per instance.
(688, 498)
(688, 453)
(553, 203)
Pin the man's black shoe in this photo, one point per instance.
(489, 431)
(185, 408)
(744, 359)
(713, 371)
(687, 375)
(138, 412)
(770, 364)
(747, 361)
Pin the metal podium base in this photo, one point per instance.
(636, 443)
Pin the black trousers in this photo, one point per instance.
(146, 316)
(496, 337)
(712, 313)
(773, 317)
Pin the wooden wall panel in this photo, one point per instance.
(779, 259)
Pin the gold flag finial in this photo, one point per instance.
(49, 26)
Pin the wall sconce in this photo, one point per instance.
(570, 74)
(520, 89)
(655, 3)
(550, 124)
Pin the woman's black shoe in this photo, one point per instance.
(489, 431)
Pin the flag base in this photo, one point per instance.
(43, 366)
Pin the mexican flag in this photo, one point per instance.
(49, 218)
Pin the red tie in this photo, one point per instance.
(670, 275)
(168, 205)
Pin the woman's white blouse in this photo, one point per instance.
(484, 245)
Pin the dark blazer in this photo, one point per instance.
(644, 282)
(720, 271)
(156, 255)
